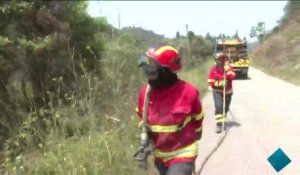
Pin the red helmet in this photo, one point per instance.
(167, 56)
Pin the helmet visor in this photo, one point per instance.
(150, 66)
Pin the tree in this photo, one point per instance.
(43, 53)
(209, 37)
(190, 36)
(177, 35)
(236, 35)
(258, 31)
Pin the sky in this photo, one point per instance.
(168, 17)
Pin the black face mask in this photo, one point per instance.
(158, 77)
(165, 78)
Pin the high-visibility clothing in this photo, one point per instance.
(216, 78)
(175, 118)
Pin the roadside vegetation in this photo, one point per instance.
(69, 84)
(279, 55)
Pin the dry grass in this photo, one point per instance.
(279, 55)
(103, 124)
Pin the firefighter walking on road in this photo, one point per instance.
(174, 112)
(217, 80)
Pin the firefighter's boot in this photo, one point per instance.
(219, 127)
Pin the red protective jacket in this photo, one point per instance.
(175, 120)
(216, 75)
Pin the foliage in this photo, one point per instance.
(194, 48)
(45, 52)
(68, 89)
(291, 9)
(177, 35)
(146, 37)
(96, 133)
(279, 54)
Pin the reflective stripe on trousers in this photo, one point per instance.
(218, 101)
(219, 118)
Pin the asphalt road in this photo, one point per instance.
(265, 117)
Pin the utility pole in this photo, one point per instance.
(189, 43)
(100, 14)
(119, 20)
(187, 29)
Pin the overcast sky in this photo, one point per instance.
(168, 17)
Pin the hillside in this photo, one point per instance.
(145, 36)
(279, 55)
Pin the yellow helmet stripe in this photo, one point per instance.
(164, 48)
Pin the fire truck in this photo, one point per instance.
(236, 48)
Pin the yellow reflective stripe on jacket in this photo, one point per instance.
(188, 151)
(170, 128)
(199, 129)
(210, 80)
(160, 128)
(186, 121)
(199, 116)
(220, 83)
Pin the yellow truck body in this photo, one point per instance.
(237, 50)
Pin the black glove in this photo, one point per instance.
(141, 156)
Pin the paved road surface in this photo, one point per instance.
(267, 112)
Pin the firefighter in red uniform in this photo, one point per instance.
(175, 113)
(217, 82)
